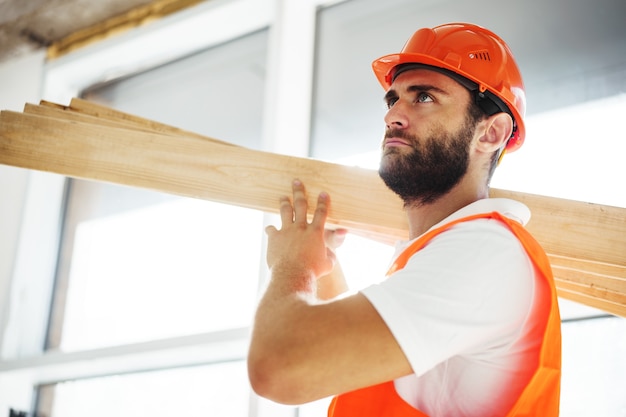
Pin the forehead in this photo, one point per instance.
(408, 80)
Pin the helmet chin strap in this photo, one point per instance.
(502, 151)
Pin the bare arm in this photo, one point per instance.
(302, 348)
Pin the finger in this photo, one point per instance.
(300, 205)
(335, 238)
(286, 210)
(321, 210)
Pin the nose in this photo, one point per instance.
(396, 117)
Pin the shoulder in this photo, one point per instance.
(463, 242)
(476, 228)
(477, 269)
(473, 255)
(509, 208)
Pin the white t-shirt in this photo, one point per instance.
(458, 310)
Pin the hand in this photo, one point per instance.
(333, 284)
(334, 238)
(300, 247)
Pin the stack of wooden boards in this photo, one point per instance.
(586, 243)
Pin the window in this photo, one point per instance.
(213, 390)
(594, 367)
(142, 330)
(139, 266)
(556, 159)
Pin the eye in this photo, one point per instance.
(423, 98)
(390, 101)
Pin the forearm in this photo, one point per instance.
(279, 338)
(302, 351)
(303, 348)
(288, 292)
(288, 343)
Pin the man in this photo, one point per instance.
(467, 323)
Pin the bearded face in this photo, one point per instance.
(431, 167)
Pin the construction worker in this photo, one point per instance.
(466, 322)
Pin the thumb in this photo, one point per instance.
(335, 238)
(332, 258)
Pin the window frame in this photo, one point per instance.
(292, 23)
(292, 30)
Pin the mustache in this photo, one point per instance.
(398, 133)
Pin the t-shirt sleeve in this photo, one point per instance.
(469, 289)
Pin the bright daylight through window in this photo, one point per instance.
(155, 293)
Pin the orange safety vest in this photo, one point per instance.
(541, 395)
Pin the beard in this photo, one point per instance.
(432, 167)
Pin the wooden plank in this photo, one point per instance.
(102, 113)
(582, 295)
(591, 274)
(59, 112)
(199, 169)
(575, 229)
(545, 210)
(595, 284)
(586, 242)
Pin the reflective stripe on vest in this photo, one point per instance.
(541, 395)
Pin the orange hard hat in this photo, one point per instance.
(465, 52)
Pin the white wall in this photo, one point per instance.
(20, 82)
(31, 201)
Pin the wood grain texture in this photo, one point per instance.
(586, 242)
(138, 16)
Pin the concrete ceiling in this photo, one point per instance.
(29, 25)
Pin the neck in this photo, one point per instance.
(423, 217)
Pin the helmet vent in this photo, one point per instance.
(481, 55)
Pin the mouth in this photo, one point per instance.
(395, 138)
(395, 142)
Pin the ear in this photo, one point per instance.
(498, 129)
